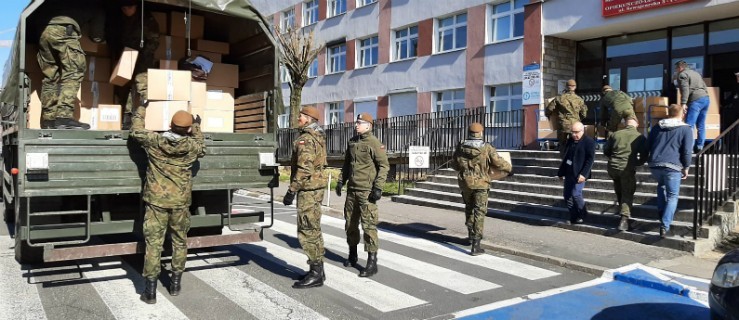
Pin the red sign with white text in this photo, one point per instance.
(618, 7)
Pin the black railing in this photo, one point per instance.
(716, 175)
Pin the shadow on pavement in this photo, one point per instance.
(638, 311)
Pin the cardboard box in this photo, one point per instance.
(711, 132)
(714, 95)
(547, 134)
(102, 117)
(33, 117)
(93, 93)
(641, 104)
(173, 85)
(171, 48)
(177, 26)
(93, 48)
(212, 56)
(32, 59)
(217, 121)
(219, 98)
(713, 119)
(159, 114)
(161, 18)
(224, 75)
(198, 94)
(211, 46)
(708, 82)
(123, 71)
(659, 112)
(98, 69)
(168, 64)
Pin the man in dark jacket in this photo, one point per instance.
(694, 99)
(575, 170)
(670, 144)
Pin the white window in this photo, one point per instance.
(366, 107)
(450, 100)
(406, 43)
(283, 121)
(310, 12)
(336, 7)
(287, 20)
(284, 74)
(506, 20)
(403, 104)
(337, 58)
(505, 97)
(368, 50)
(313, 69)
(335, 113)
(362, 3)
(452, 33)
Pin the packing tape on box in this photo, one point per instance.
(170, 85)
(91, 69)
(168, 47)
(94, 108)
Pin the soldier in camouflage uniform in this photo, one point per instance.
(167, 193)
(615, 106)
(570, 108)
(62, 60)
(131, 36)
(625, 149)
(476, 162)
(307, 181)
(365, 170)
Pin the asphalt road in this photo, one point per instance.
(418, 279)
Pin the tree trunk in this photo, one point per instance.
(296, 93)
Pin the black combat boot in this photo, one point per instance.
(127, 122)
(371, 268)
(352, 259)
(48, 124)
(176, 284)
(68, 123)
(476, 250)
(150, 291)
(314, 278)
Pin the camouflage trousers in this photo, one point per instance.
(156, 222)
(624, 183)
(309, 224)
(62, 62)
(133, 93)
(475, 210)
(358, 208)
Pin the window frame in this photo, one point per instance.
(310, 13)
(334, 4)
(455, 25)
(285, 17)
(330, 56)
(364, 3)
(493, 17)
(409, 37)
(373, 48)
(283, 121)
(510, 97)
(439, 102)
(313, 69)
(284, 74)
(339, 109)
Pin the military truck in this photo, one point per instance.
(75, 194)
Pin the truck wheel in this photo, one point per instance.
(8, 213)
(26, 254)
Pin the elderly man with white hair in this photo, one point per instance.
(579, 154)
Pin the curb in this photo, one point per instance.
(652, 278)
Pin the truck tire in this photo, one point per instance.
(8, 213)
(26, 254)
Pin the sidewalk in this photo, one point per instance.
(575, 250)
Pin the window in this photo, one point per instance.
(406, 43)
(366, 107)
(636, 44)
(644, 78)
(337, 58)
(335, 113)
(506, 20)
(284, 74)
(336, 7)
(287, 20)
(450, 100)
(283, 121)
(506, 97)
(368, 52)
(723, 32)
(362, 3)
(313, 69)
(687, 37)
(452, 33)
(310, 12)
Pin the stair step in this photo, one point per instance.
(554, 163)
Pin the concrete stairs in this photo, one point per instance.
(534, 195)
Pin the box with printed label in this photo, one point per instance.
(219, 98)
(102, 117)
(224, 75)
(169, 85)
(212, 56)
(93, 93)
(178, 28)
(171, 48)
(217, 121)
(198, 94)
(123, 71)
(211, 46)
(159, 114)
(98, 69)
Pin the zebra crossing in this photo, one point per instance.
(418, 279)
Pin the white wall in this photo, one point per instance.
(407, 12)
(504, 62)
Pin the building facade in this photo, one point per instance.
(399, 57)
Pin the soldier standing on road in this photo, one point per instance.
(625, 149)
(615, 106)
(365, 169)
(167, 193)
(476, 162)
(570, 108)
(307, 181)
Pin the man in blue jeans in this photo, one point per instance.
(670, 143)
(694, 99)
(579, 154)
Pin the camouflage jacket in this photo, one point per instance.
(626, 149)
(308, 160)
(130, 36)
(365, 163)
(475, 161)
(570, 108)
(171, 156)
(615, 106)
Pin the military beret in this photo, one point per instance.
(571, 82)
(475, 127)
(182, 119)
(607, 88)
(364, 117)
(311, 112)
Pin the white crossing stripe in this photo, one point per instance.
(254, 296)
(114, 282)
(488, 261)
(19, 298)
(434, 274)
(369, 292)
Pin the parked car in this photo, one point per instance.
(724, 296)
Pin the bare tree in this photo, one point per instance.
(298, 52)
